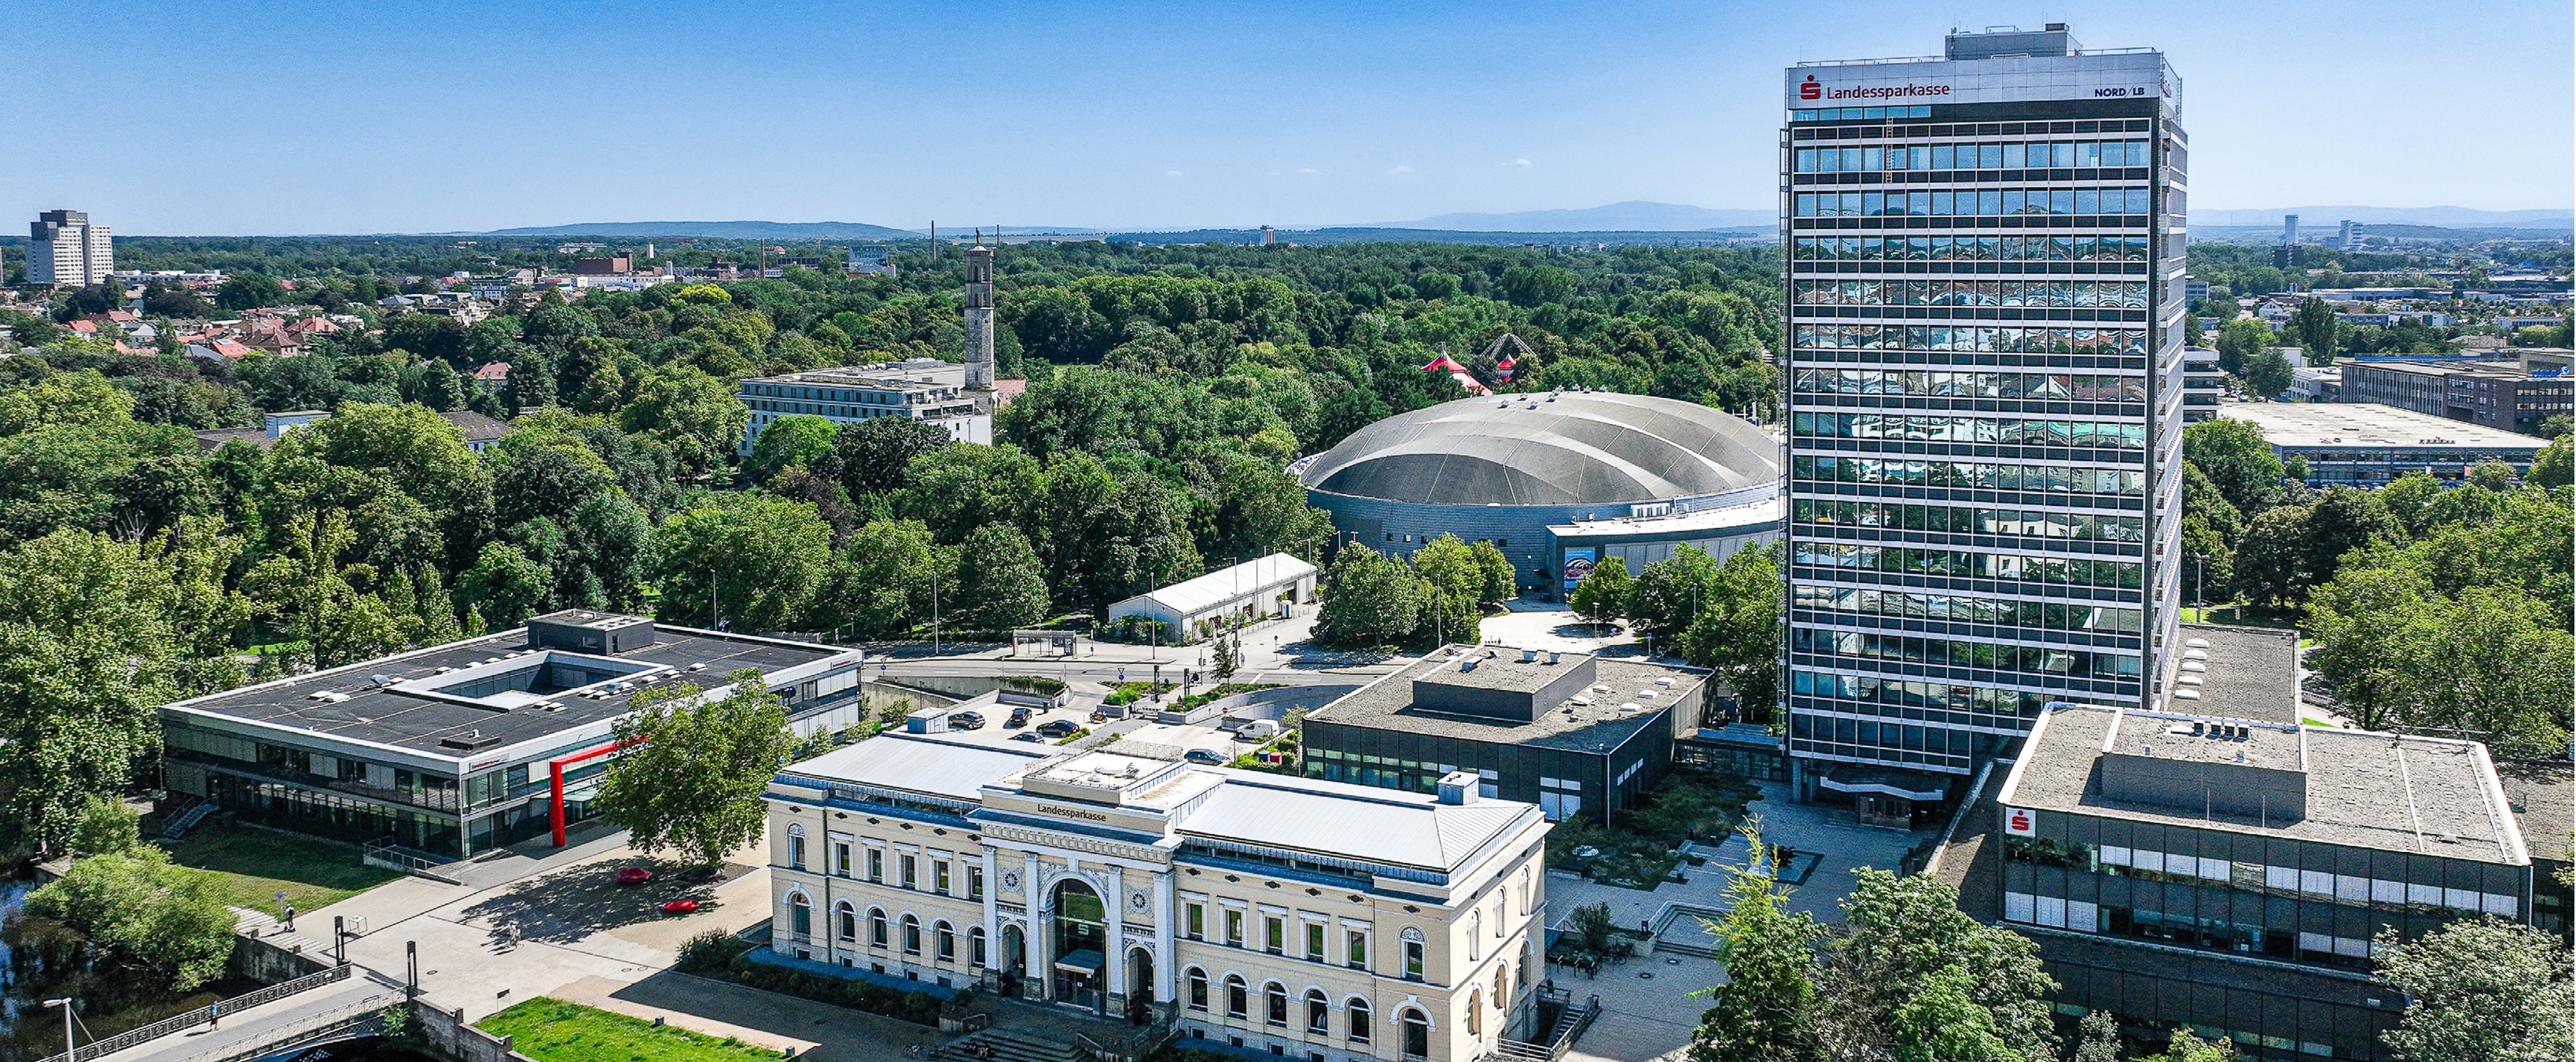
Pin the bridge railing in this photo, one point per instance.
(200, 1016)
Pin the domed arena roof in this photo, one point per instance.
(1566, 448)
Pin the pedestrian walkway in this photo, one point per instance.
(271, 1024)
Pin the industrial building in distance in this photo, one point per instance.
(1558, 481)
(2364, 444)
(2514, 393)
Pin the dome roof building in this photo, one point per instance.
(1557, 480)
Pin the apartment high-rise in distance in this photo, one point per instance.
(1985, 297)
(64, 249)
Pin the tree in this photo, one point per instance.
(2240, 340)
(2184, 1047)
(1370, 600)
(1502, 581)
(141, 912)
(693, 413)
(2480, 990)
(2100, 1041)
(1000, 586)
(2237, 461)
(504, 586)
(2271, 560)
(107, 825)
(1603, 595)
(1457, 581)
(1591, 924)
(1222, 660)
(249, 291)
(1766, 1010)
(2343, 520)
(752, 562)
(85, 662)
(1912, 976)
(694, 765)
(2313, 325)
(2269, 374)
(1669, 593)
(2493, 475)
(1737, 632)
(789, 441)
(2555, 464)
(880, 581)
(873, 456)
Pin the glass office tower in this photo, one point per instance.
(1985, 296)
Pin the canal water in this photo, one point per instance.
(41, 960)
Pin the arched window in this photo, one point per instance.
(1198, 988)
(1412, 954)
(1502, 988)
(1475, 1014)
(796, 845)
(1238, 997)
(1358, 1010)
(800, 915)
(911, 935)
(1274, 1003)
(1417, 1033)
(1502, 908)
(845, 921)
(945, 939)
(876, 928)
(1527, 893)
(1319, 1013)
(975, 947)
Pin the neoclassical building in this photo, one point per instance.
(1304, 918)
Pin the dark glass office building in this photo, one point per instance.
(1986, 375)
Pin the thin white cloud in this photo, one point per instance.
(1171, 173)
(1518, 162)
(1311, 172)
(1400, 171)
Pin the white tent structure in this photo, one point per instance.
(1243, 593)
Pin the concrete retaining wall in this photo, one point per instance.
(1271, 704)
(450, 1037)
(268, 963)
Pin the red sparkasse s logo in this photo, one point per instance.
(1810, 90)
(2018, 822)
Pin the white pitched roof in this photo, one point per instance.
(1366, 823)
(1225, 584)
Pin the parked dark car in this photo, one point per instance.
(1019, 718)
(965, 721)
(1029, 736)
(1207, 756)
(1060, 728)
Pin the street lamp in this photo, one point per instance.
(69, 1052)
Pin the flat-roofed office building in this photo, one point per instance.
(1985, 297)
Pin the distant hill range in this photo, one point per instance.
(721, 230)
(1635, 215)
(2313, 218)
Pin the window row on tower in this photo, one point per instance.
(1967, 475)
(2000, 339)
(2052, 248)
(1979, 202)
(2054, 293)
(1965, 520)
(2016, 155)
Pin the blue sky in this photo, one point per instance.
(165, 118)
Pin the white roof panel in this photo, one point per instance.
(1225, 584)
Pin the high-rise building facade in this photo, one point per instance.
(64, 249)
(1986, 379)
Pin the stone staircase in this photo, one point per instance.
(1008, 1046)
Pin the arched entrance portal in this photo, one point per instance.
(1080, 946)
(1140, 985)
(1015, 959)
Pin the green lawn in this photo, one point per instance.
(250, 867)
(551, 1030)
